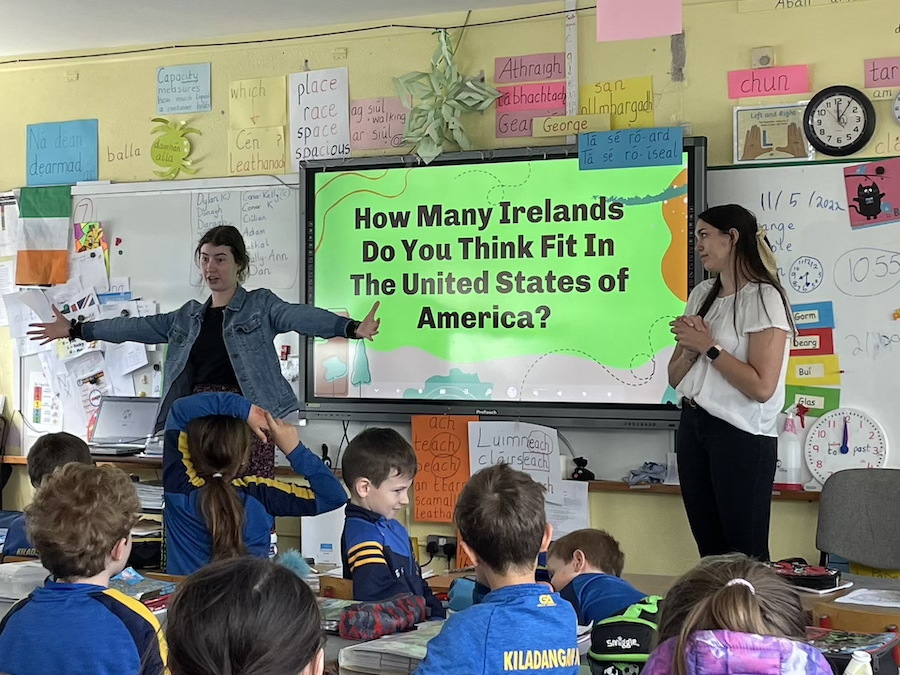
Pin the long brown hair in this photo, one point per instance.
(230, 236)
(729, 592)
(247, 615)
(220, 448)
(747, 262)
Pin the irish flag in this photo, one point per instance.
(44, 217)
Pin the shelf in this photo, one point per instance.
(660, 489)
(593, 486)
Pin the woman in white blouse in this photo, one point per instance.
(729, 368)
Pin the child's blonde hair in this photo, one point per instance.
(729, 592)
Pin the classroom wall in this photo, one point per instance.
(119, 90)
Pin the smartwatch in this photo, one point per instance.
(713, 352)
(351, 330)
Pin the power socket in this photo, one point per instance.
(440, 540)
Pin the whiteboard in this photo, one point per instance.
(152, 230)
(805, 211)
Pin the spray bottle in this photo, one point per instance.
(788, 474)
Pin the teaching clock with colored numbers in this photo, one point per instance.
(844, 439)
(839, 121)
(806, 274)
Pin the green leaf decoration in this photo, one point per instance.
(436, 100)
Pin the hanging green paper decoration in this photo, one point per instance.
(443, 94)
(172, 149)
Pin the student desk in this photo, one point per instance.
(651, 584)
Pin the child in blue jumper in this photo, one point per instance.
(80, 521)
(48, 453)
(378, 467)
(585, 568)
(213, 509)
(520, 625)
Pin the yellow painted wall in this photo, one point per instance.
(120, 92)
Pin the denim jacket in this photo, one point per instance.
(252, 320)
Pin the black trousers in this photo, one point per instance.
(726, 483)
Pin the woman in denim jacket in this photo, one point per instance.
(225, 343)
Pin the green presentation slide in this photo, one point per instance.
(518, 280)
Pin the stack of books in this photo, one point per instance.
(390, 655)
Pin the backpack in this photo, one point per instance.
(621, 644)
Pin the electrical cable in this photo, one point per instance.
(288, 38)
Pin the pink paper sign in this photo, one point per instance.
(781, 81)
(530, 68)
(514, 123)
(532, 96)
(637, 19)
(882, 72)
(376, 123)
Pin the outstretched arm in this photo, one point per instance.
(151, 330)
(288, 317)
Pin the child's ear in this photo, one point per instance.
(120, 550)
(548, 537)
(362, 487)
(467, 550)
(317, 665)
(578, 560)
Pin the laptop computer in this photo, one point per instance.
(124, 425)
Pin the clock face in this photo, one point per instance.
(839, 121)
(844, 439)
(806, 274)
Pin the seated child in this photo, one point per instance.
(48, 453)
(80, 521)
(732, 614)
(278, 630)
(520, 625)
(585, 567)
(378, 467)
(214, 511)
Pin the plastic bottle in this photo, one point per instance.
(788, 475)
(860, 664)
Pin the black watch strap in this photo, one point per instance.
(351, 329)
(76, 330)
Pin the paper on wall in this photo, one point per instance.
(156, 386)
(18, 315)
(121, 385)
(27, 347)
(119, 284)
(84, 307)
(125, 358)
(116, 310)
(64, 293)
(90, 267)
(319, 107)
(531, 448)
(37, 302)
(572, 514)
(45, 408)
(9, 230)
(63, 386)
(146, 307)
(91, 381)
(7, 286)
